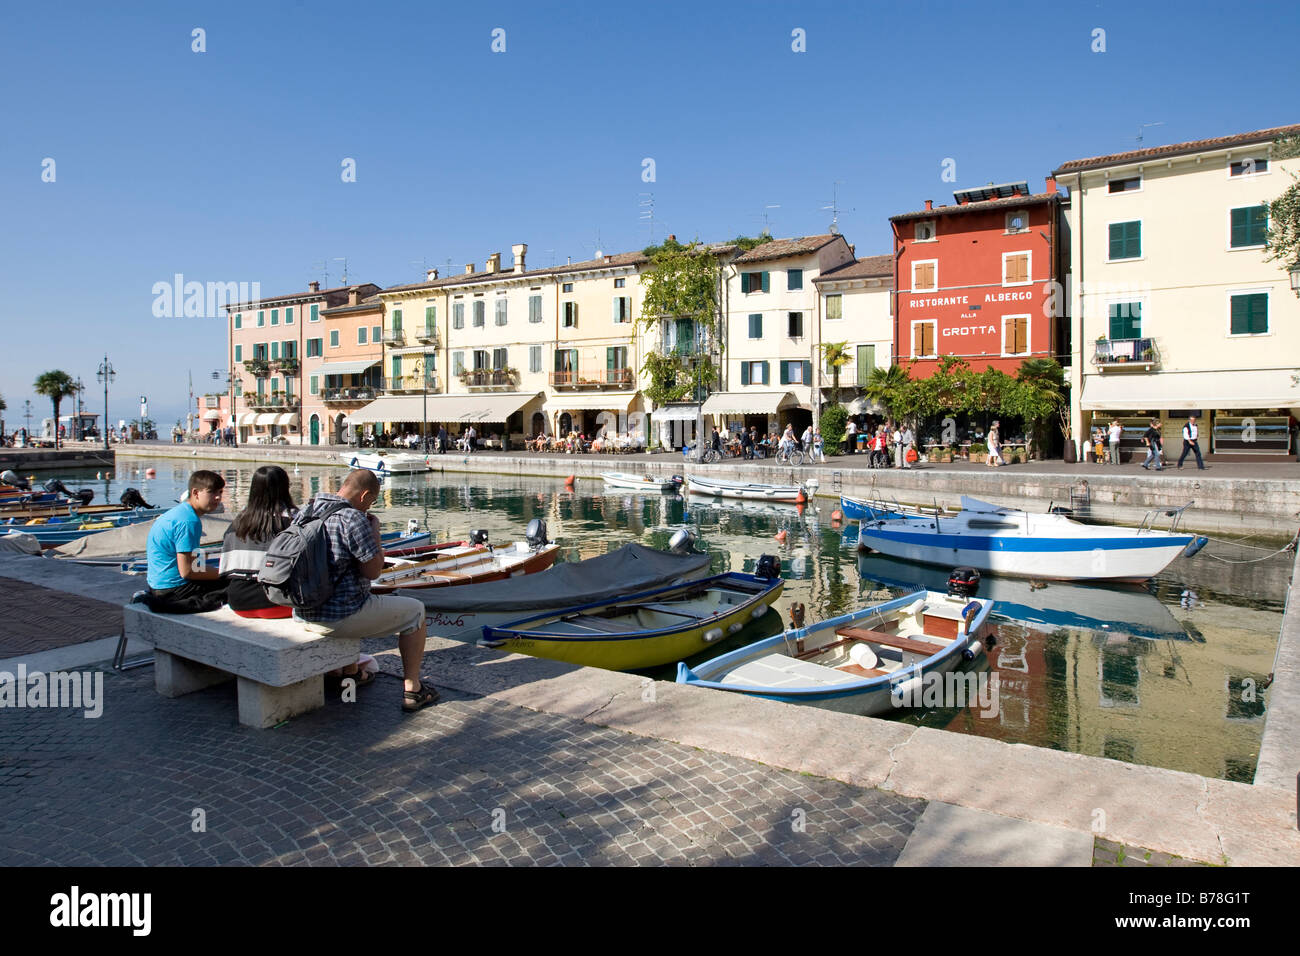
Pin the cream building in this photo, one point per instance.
(855, 308)
(1175, 312)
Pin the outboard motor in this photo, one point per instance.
(412, 526)
(55, 486)
(769, 566)
(87, 495)
(535, 534)
(131, 498)
(678, 480)
(963, 582)
(9, 478)
(797, 614)
(478, 536)
(682, 542)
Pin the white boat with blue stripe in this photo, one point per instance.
(1030, 545)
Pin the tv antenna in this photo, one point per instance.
(767, 224)
(322, 267)
(344, 260)
(834, 207)
(647, 215)
(1146, 126)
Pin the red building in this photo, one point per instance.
(975, 279)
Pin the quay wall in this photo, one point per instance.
(37, 461)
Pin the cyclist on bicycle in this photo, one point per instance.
(787, 441)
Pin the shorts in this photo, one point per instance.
(383, 615)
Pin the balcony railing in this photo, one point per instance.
(394, 337)
(592, 378)
(409, 383)
(428, 335)
(354, 393)
(254, 400)
(1126, 353)
(289, 365)
(490, 378)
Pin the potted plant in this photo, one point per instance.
(978, 450)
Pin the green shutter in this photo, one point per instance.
(767, 378)
(866, 362)
(1249, 226)
(397, 368)
(793, 279)
(275, 351)
(744, 373)
(1126, 320)
(288, 316)
(756, 325)
(766, 282)
(397, 320)
(1250, 314)
(1125, 240)
(239, 321)
(744, 282)
(785, 373)
(807, 373)
(239, 353)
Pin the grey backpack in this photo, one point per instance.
(296, 572)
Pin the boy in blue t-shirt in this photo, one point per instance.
(176, 585)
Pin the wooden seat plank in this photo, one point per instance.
(890, 640)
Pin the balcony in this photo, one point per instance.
(598, 378)
(1138, 355)
(352, 394)
(428, 335)
(502, 378)
(272, 402)
(394, 337)
(409, 383)
(258, 366)
(287, 365)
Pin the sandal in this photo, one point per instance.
(413, 700)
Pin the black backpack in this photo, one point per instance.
(296, 572)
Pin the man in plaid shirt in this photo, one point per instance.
(357, 558)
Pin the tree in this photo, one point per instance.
(836, 356)
(56, 386)
(1282, 243)
(887, 386)
(1039, 394)
(681, 290)
(834, 417)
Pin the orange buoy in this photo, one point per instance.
(781, 536)
(569, 481)
(150, 473)
(801, 498)
(837, 516)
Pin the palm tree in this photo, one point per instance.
(836, 356)
(1041, 394)
(56, 386)
(885, 386)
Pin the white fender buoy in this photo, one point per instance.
(759, 611)
(972, 651)
(712, 634)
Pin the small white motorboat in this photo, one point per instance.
(387, 462)
(747, 490)
(631, 482)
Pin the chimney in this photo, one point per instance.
(469, 268)
(519, 250)
(568, 260)
(608, 259)
(314, 286)
(853, 250)
(432, 275)
(493, 263)
(1051, 185)
(929, 205)
(354, 295)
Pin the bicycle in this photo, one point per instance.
(792, 457)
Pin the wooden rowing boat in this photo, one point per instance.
(463, 564)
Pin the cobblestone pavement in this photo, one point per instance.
(33, 618)
(472, 780)
(1110, 853)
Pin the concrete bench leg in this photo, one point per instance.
(175, 676)
(262, 706)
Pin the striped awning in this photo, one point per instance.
(286, 419)
(495, 407)
(343, 368)
(266, 418)
(676, 413)
(593, 401)
(246, 419)
(748, 403)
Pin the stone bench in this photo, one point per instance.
(280, 666)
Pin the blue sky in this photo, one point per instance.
(225, 165)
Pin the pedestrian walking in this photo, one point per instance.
(1191, 434)
(1151, 438)
(908, 440)
(995, 446)
(851, 436)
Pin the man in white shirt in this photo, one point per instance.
(1116, 432)
(896, 439)
(1191, 434)
(906, 440)
(851, 437)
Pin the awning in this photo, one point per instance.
(266, 418)
(246, 419)
(1191, 391)
(748, 403)
(443, 408)
(343, 368)
(864, 406)
(593, 401)
(676, 413)
(211, 415)
(288, 418)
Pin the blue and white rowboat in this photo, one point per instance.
(1028, 545)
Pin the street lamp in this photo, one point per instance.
(105, 374)
(77, 424)
(1294, 269)
(27, 414)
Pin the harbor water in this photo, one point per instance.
(1172, 674)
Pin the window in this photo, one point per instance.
(481, 360)
(1015, 335)
(925, 275)
(756, 325)
(480, 314)
(239, 353)
(334, 338)
(754, 282)
(615, 364)
(794, 324)
(500, 358)
(288, 316)
(834, 307)
(620, 283)
(275, 385)
(259, 351)
(361, 335)
(275, 316)
(923, 339)
(275, 351)
(429, 369)
(1249, 227)
(753, 373)
(397, 370)
(375, 333)
(1016, 268)
(534, 358)
(924, 231)
(570, 315)
(1125, 320)
(500, 310)
(622, 308)
(314, 347)
(534, 308)
(315, 384)
(397, 320)
(567, 287)
(1127, 185)
(1125, 240)
(1017, 221)
(796, 373)
(1249, 313)
(457, 362)
(1248, 167)
(289, 349)
(430, 316)
(793, 279)
(866, 362)
(315, 313)
(239, 387)
(239, 320)
(261, 319)
(458, 315)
